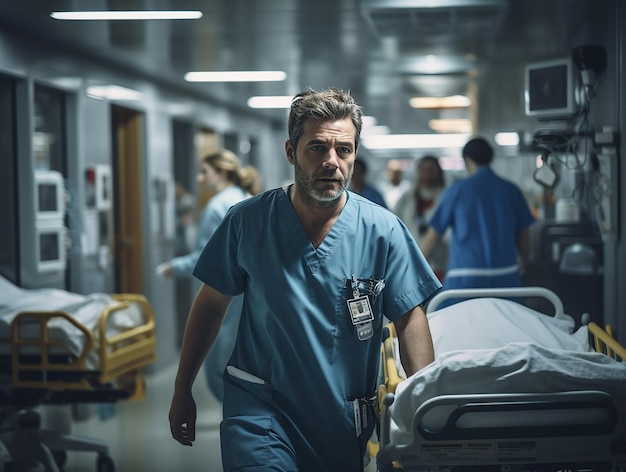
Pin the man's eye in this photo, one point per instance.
(344, 150)
(317, 148)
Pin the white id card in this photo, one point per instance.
(360, 310)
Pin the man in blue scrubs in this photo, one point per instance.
(490, 221)
(319, 267)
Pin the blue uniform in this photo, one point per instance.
(296, 336)
(486, 214)
(183, 266)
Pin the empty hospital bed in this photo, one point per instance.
(511, 389)
(58, 347)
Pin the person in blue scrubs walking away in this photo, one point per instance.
(490, 221)
(319, 268)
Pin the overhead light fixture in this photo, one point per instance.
(113, 92)
(434, 64)
(454, 101)
(236, 76)
(270, 101)
(507, 139)
(415, 141)
(127, 15)
(451, 125)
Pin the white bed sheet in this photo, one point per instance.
(491, 345)
(84, 308)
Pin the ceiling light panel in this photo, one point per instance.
(454, 101)
(270, 101)
(126, 15)
(236, 76)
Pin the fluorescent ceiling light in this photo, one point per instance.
(507, 139)
(237, 76)
(454, 101)
(410, 141)
(451, 125)
(367, 121)
(113, 92)
(126, 15)
(378, 129)
(270, 101)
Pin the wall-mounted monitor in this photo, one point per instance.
(50, 246)
(550, 89)
(49, 195)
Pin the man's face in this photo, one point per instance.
(324, 159)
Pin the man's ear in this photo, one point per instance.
(289, 150)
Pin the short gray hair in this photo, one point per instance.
(329, 104)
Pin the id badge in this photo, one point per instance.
(362, 316)
(360, 310)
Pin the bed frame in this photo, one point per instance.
(44, 371)
(459, 445)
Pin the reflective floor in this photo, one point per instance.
(138, 432)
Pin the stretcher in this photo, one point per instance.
(511, 389)
(58, 347)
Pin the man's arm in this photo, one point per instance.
(415, 341)
(429, 242)
(203, 325)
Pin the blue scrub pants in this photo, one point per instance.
(256, 437)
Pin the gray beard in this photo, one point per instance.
(314, 194)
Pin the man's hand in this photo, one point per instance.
(183, 418)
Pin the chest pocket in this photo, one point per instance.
(345, 328)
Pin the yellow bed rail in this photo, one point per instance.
(119, 359)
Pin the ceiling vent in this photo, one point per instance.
(434, 17)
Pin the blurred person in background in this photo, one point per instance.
(417, 204)
(395, 185)
(361, 186)
(221, 172)
(490, 221)
(185, 207)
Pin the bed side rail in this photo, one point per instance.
(519, 415)
(604, 342)
(40, 361)
(509, 292)
(53, 366)
(132, 349)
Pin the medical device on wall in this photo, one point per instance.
(98, 186)
(550, 89)
(49, 195)
(50, 229)
(50, 246)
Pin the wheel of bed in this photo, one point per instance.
(510, 388)
(58, 347)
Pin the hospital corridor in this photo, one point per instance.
(345, 215)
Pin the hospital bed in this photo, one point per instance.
(511, 389)
(58, 347)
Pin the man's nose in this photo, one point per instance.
(331, 160)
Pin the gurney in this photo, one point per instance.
(58, 347)
(511, 389)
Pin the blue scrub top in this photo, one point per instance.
(486, 214)
(295, 332)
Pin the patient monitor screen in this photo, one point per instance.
(547, 88)
(48, 197)
(49, 246)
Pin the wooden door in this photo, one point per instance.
(128, 253)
